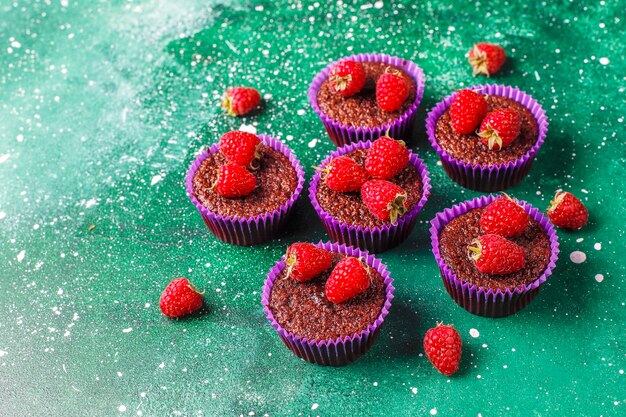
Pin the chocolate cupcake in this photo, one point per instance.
(473, 165)
(258, 216)
(347, 219)
(359, 118)
(318, 330)
(488, 294)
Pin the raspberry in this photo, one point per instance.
(386, 157)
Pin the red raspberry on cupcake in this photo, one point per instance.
(234, 181)
(499, 128)
(384, 199)
(348, 279)
(391, 91)
(344, 175)
(493, 254)
(347, 77)
(504, 217)
(486, 58)
(241, 148)
(306, 261)
(467, 111)
(386, 157)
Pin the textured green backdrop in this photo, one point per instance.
(103, 106)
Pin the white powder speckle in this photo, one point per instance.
(91, 202)
(301, 112)
(312, 143)
(128, 330)
(580, 239)
(433, 411)
(414, 390)
(248, 128)
(156, 179)
(474, 333)
(375, 384)
(314, 406)
(121, 408)
(60, 291)
(162, 365)
(599, 277)
(20, 256)
(597, 246)
(4, 157)
(578, 257)
(604, 61)
(2, 214)
(20, 138)
(3, 353)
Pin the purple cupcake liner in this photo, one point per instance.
(488, 178)
(376, 239)
(400, 128)
(343, 350)
(483, 301)
(247, 231)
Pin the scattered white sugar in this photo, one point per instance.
(119, 374)
(439, 163)
(156, 179)
(578, 257)
(433, 411)
(478, 376)
(121, 408)
(621, 371)
(20, 256)
(162, 365)
(127, 330)
(580, 239)
(537, 76)
(2, 214)
(378, 4)
(474, 333)
(312, 143)
(414, 390)
(267, 96)
(4, 352)
(505, 366)
(375, 384)
(259, 8)
(60, 291)
(599, 277)
(91, 202)
(16, 44)
(248, 128)
(4, 157)
(301, 112)
(604, 61)
(314, 406)
(451, 28)
(147, 305)
(19, 138)
(289, 137)
(597, 246)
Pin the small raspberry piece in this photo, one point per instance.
(306, 261)
(493, 254)
(347, 78)
(467, 110)
(386, 157)
(348, 279)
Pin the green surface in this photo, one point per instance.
(103, 106)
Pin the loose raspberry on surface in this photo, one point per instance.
(493, 254)
(443, 347)
(241, 148)
(348, 279)
(344, 175)
(238, 101)
(347, 77)
(499, 128)
(391, 91)
(384, 199)
(486, 58)
(234, 181)
(467, 110)
(567, 212)
(180, 298)
(386, 157)
(505, 217)
(306, 261)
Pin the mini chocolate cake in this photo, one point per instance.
(469, 148)
(276, 182)
(303, 309)
(361, 109)
(350, 209)
(460, 232)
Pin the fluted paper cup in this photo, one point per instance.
(373, 239)
(486, 301)
(247, 231)
(343, 350)
(342, 134)
(488, 178)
